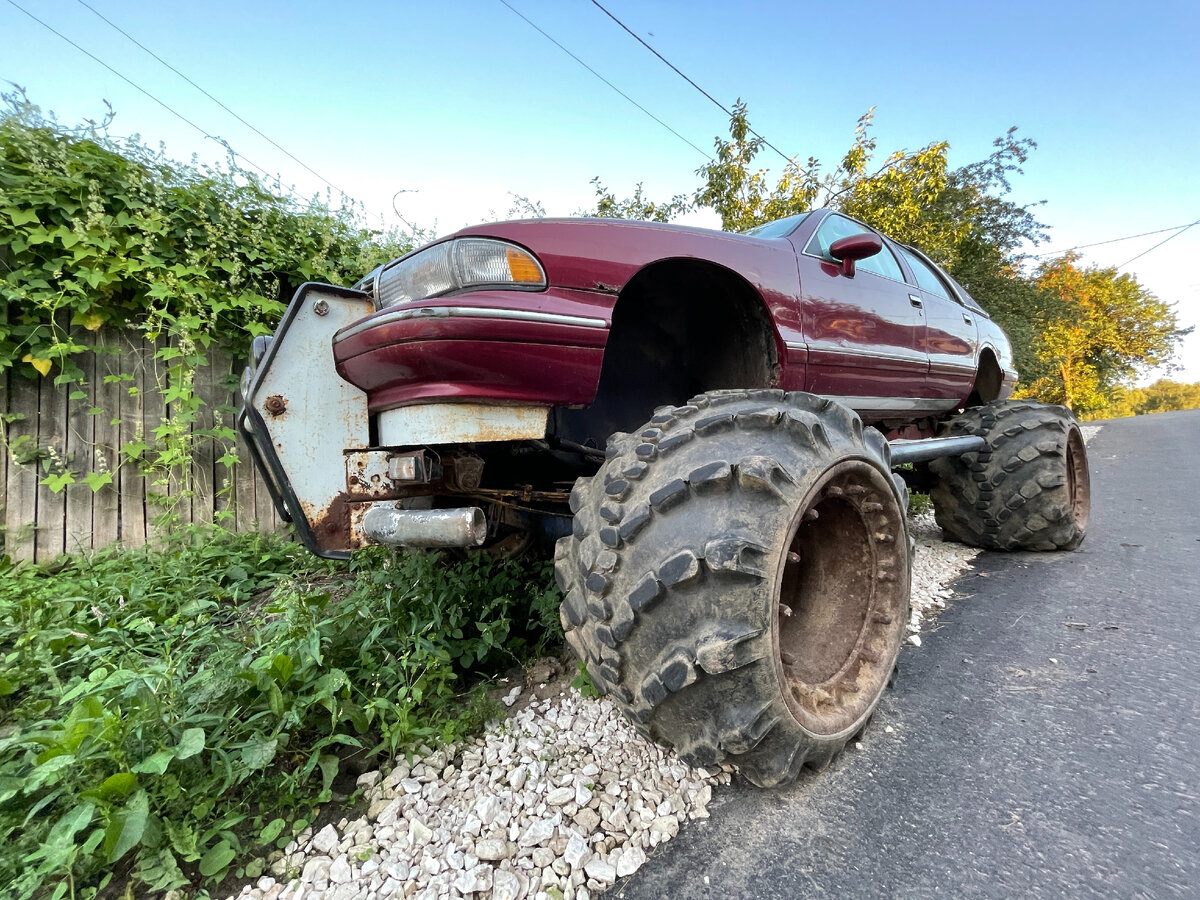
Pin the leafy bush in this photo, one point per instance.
(919, 503)
(104, 231)
(101, 230)
(168, 717)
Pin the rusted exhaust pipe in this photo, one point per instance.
(383, 523)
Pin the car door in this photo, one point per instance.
(951, 334)
(865, 337)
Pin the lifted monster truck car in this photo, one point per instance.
(736, 565)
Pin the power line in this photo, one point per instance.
(1159, 244)
(1112, 241)
(605, 80)
(138, 87)
(282, 150)
(677, 71)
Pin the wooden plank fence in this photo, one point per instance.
(83, 427)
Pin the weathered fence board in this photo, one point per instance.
(86, 433)
(77, 447)
(51, 505)
(21, 485)
(106, 512)
(131, 486)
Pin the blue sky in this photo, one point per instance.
(461, 103)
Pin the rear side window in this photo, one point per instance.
(835, 228)
(926, 277)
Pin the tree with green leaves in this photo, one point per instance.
(1107, 329)
(1164, 395)
(1167, 396)
(636, 207)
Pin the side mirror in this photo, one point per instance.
(857, 246)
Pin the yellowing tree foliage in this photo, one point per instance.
(1105, 329)
(1162, 396)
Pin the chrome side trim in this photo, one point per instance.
(899, 404)
(871, 354)
(469, 312)
(937, 366)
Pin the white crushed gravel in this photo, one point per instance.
(554, 803)
(936, 563)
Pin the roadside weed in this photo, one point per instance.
(169, 717)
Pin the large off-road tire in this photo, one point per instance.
(1029, 490)
(738, 578)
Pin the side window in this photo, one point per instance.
(926, 277)
(837, 227)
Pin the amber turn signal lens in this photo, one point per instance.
(523, 267)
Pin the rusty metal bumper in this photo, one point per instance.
(298, 417)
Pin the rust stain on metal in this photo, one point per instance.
(276, 404)
(383, 474)
(331, 526)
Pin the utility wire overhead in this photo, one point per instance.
(677, 71)
(138, 87)
(282, 150)
(1160, 243)
(1128, 237)
(602, 78)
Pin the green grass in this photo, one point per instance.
(169, 717)
(919, 503)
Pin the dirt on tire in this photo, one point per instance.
(738, 578)
(1029, 490)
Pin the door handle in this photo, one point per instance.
(966, 318)
(915, 301)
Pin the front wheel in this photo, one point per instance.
(738, 578)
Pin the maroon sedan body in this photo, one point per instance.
(886, 348)
(504, 393)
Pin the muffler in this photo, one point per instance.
(384, 524)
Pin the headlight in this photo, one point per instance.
(455, 265)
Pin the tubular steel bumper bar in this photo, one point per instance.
(384, 524)
(933, 448)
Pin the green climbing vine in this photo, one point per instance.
(100, 231)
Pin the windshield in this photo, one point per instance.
(776, 228)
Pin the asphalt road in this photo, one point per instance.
(1045, 740)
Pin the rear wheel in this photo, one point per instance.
(738, 578)
(1029, 490)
